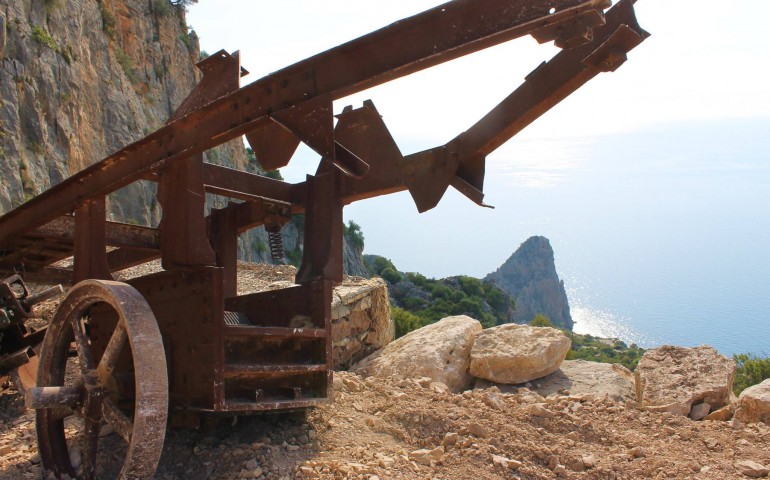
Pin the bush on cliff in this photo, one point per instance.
(750, 370)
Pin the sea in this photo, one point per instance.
(661, 236)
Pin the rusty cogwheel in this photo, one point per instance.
(104, 384)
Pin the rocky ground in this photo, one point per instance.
(413, 429)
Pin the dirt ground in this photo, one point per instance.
(415, 429)
(373, 428)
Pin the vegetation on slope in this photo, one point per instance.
(751, 370)
(418, 301)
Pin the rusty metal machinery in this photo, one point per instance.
(182, 342)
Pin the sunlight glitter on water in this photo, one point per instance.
(589, 321)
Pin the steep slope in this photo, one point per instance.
(530, 277)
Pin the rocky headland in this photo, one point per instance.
(530, 277)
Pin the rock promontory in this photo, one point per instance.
(530, 277)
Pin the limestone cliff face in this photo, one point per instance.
(80, 79)
(83, 78)
(530, 277)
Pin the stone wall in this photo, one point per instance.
(361, 320)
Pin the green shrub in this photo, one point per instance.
(376, 264)
(161, 7)
(417, 278)
(751, 370)
(127, 65)
(541, 320)
(390, 275)
(44, 38)
(586, 347)
(471, 286)
(404, 321)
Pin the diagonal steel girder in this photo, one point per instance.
(435, 36)
(460, 162)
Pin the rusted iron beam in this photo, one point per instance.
(248, 186)
(546, 86)
(45, 275)
(117, 234)
(90, 249)
(424, 40)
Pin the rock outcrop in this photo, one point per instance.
(581, 377)
(440, 352)
(678, 379)
(754, 404)
(530, 277)
(517, 353)
(361, 321)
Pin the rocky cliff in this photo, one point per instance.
(80, 79)
(530, 277)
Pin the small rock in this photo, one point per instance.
(251, 464)
(493, 400)
(477, 430)
(439, 387)
(308, 471)
(751, 469)
(539, 410)
(699, 411)
(637, 452)
(721, 415)
(506, 463)
(425, 456)
(449, 439)
(589, 461)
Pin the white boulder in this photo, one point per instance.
(514, 353)
(440, 351)
(581, 377)
(754, 404)
(674, 379)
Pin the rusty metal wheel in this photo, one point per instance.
(84, 388)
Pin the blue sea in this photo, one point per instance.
(661, 236)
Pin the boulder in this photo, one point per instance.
(754, 404)
(581, 377)
(440, 351)
(674, 379)
(517, 353)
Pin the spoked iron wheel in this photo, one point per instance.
(118, 377)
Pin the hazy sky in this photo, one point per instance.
(706, 60)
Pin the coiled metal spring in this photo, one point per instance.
(275, 242)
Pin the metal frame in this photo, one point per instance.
(229, 353)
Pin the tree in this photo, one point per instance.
(541, 320)
(353, 233)
(390, 275)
